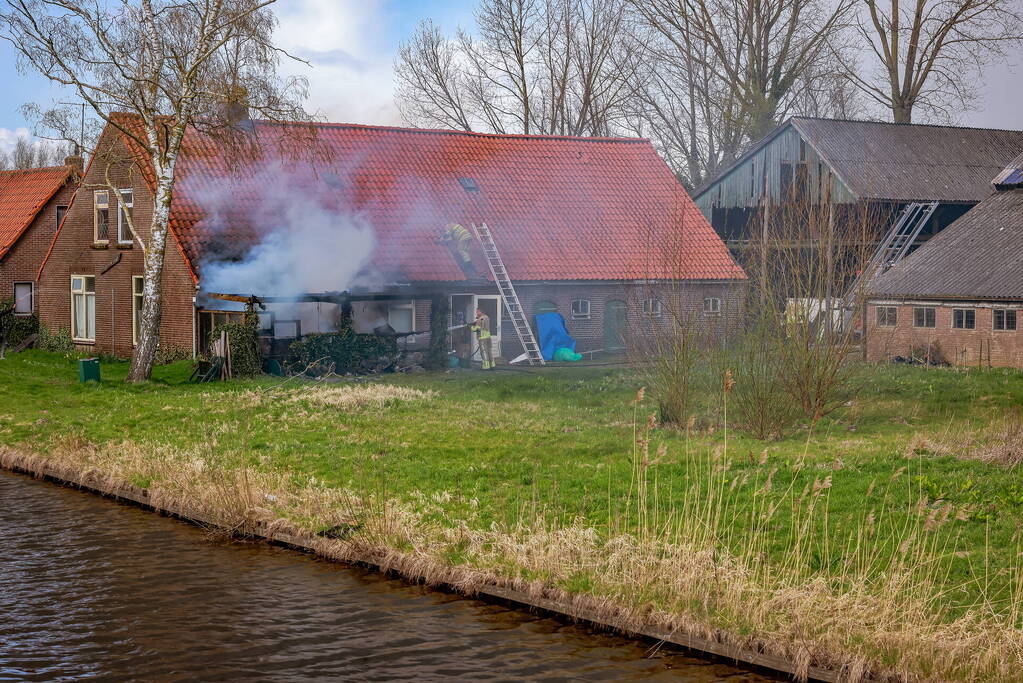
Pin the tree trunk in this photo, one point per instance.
(902, 113)
(152, 290)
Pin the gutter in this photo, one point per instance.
(266, 531)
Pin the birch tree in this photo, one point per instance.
(929, 54)
(535, 66)
(170, 65)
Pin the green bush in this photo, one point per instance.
(55, 342)
(344, 351)
(243, 339)
(17, 327)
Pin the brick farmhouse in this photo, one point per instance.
(959, 297)
(32, 204)
(597, 229)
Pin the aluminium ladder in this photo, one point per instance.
(508, 295)
(897, 242)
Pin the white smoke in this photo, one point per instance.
(309, 245)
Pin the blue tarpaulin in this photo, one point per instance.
(552, 334)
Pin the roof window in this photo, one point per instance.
(469, 185)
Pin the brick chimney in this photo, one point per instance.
(76, 163)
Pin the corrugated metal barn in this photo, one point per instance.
(884, 165)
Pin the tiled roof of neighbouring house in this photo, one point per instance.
(23, 194)
(559, 208)
(980, 256)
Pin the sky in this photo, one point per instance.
(351, 44)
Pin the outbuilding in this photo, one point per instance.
(958, 298)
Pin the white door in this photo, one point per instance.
(491, 305)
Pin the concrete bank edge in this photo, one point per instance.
(123, 491)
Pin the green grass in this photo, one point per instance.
(493, 448)
(514, 437)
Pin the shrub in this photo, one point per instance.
(55, 342)
(243, 340)
(342, 351)
(17, 327)
(166, 356)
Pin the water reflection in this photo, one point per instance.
(93, 589)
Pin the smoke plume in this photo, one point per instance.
(299, 238)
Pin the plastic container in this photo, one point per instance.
(88, 370)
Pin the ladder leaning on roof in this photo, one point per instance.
(897, 242)
(508, 295)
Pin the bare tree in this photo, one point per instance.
(171, 64)
(717, 75)
(759, 48)
(27, 153)
(537, 66)
(928, 55)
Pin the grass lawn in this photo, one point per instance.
(538, 476)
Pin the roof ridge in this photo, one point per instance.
(447, 131)
(913, 125)
(34, 169)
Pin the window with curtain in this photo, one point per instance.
(83, 307)
(136, 308)
(124, 212)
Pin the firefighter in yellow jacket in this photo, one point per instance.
(459, 241)
(481, 326)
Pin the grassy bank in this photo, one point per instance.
(884, 539)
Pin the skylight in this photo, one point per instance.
(469, 185)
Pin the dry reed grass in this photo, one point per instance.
(877, 616)
(344, 397)
(997, 443)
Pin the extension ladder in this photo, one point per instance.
(897, 242)
(508, 295)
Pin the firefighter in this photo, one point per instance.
(481, 326)
(459, 241)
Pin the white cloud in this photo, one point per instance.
(9, 136)
(350, 78)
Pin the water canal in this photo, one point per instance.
(92, 589)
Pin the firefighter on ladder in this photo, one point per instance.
(459, 241)
(481, 326)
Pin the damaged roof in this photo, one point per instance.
(559, 208)
(23, 194)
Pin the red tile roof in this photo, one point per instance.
(559, 208)
(23, 194)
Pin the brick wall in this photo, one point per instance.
(981, 346)
(113, 265)
(21, 264)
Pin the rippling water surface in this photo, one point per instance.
(93, 589)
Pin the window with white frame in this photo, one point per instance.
(581, 309)
(652, 308)
(401, 316)
(887, 316)
(136, 307)
(83, 308)
(23, 303)
(1003, 319)
(964, 318)
(101, 219)
(124, 214)
(712, 306)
